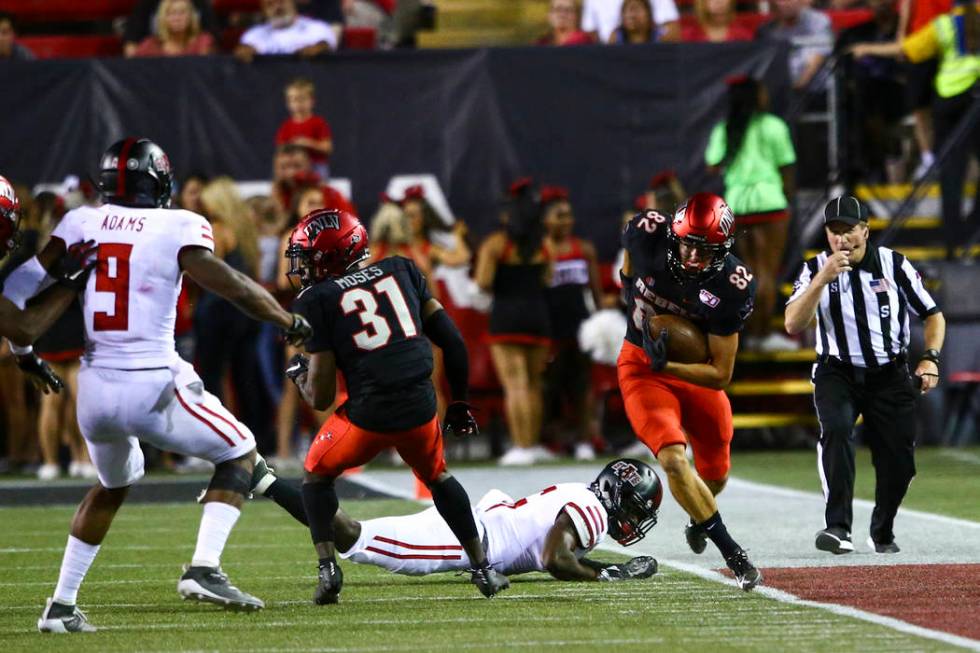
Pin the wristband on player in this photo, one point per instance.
(930, 355)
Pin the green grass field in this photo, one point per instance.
(130, 594)
(944, 480)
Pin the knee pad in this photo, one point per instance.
(232, 477)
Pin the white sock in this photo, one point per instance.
(216, 524)
(79, 556)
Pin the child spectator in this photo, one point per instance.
(305, 128)
(9, 48)
(715, 24)
(176, 33)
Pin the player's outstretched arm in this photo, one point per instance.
(24, 327)
(559, 553)
(213, 274)
(717, 372)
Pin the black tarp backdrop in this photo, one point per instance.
(599, 120)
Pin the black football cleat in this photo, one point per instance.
(489, 581)
(746, 575)
(883, 547)
(834, 540)
(329, 583)
(697, 539)
(60, 618)
(211, 585)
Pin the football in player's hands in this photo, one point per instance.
(686, 342)
(73, 268)
(636, 568)
(297, 366)
(40, 373)
(299, 332)
(459, 419)
(656, 348)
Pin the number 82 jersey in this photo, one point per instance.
(719, 305)
(371, 319)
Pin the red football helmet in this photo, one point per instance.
(326, 243)
(705, 225)
(9, 208)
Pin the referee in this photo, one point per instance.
(861, 296)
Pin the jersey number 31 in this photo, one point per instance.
(377, 330)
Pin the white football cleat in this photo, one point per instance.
(58, 618)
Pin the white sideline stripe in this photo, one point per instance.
(836, 608)
(802, 494)
(962, 456)
(382, 487)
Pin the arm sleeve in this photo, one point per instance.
(922, 45)
(418, 280)
(252, 40)
(802, 280)
(715, 151)
(326, 34)
(441, 330)
(282, 134)
(308, 306)
(780, 142)
(324, 130)
(589, 22)
(584, 522)
(196, 232)
(910, 283)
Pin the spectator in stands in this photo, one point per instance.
(873, 101)
(189, 195)
(10, 50)
(602, 17)
(286, 32)
(305, 128)
(564, 17)
(144, 21)
(715, 23)
(753, 149)
(515, 266)
(226, 337)
(389, 228)
(953, 39)
(371, 14)
(808, 29)
(423, 225)
(920, 92)
(664, 193)
(176, 33)
(575, 277)
(636, 24)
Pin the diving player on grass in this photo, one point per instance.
(372, 323)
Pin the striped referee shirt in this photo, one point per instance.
(863, 315)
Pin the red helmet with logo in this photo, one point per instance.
(9, 208)
(706, 223)
(326, 243)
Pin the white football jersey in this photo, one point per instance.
(130, 301)
(516, 530)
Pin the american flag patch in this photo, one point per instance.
(879, 285)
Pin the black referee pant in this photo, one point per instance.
(886, 398)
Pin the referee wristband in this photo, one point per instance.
(930, 355)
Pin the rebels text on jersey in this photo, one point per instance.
(130, 302)
(371, 320)
(719, 306)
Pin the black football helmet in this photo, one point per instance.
(631, 492)
(136, 172)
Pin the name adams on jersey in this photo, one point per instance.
(371, 320)
(719, 305)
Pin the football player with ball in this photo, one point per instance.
(688, 297)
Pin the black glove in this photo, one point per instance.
(656, 349)
(299, 332)
(297, 366)
(637, 568)
(40, 373)
(73, 268)
(459, 420)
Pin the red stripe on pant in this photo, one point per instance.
(231, 424)
(423, 547)
(412, 556)
(211, 426)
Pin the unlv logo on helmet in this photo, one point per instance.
(322, 222)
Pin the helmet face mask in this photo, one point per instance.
(326, 243)
(701, 236)
(136, 172)
(631, 492)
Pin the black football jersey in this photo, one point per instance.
(371, 319)
(719, 305)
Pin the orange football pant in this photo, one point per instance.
(662, 409)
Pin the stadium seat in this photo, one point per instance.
(359, 38)
(222, 7)
(41, 11)
(72, 47)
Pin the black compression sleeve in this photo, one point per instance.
(320, 503)
(441, 330)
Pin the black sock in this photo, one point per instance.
(715, 529)
(453, 504)
(290, 498)
(320, 502)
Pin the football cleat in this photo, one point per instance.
(211, 585)
(262, 475)
(489, 581)
(883, 547)
(329, 583)
(60, 618)
(834, 540)
(746, 575)
(697, 539)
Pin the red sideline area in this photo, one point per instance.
(940, 597)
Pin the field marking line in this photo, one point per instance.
(836, 608)
(453, 646)
(961, 456)
(803, 494)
